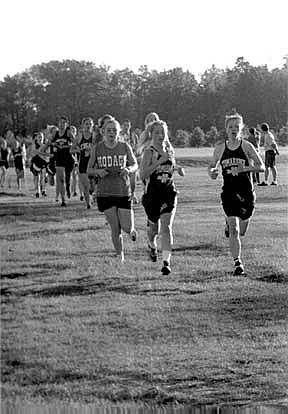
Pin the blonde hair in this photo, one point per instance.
(235, 115)
(148, 116)
(87, 118)
(111, 121)
(163, 124)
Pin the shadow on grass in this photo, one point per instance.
(81, 286)
(18, 195)
(47, 232)
(118, 385)
(207, 247)
(41, 269)
(269, 274)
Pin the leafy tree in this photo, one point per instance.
(212, 136)
(182, 138)
(197, 138)
(37, 96)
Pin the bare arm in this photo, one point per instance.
(213, 165)
(132, 162)
(258, 164)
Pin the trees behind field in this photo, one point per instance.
(36, 97)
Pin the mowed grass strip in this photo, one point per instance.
(79, 326)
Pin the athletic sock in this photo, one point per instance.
(237, 262)
(166, 256)
(152, 245)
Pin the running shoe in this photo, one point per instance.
(239, 270)
(166, 269)
(63, 204)
(262, 184)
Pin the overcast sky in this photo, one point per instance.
(161, 34)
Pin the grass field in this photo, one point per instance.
(79, 327)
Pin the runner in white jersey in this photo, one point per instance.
(112, 162)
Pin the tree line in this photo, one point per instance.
(194, 110)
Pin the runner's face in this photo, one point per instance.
(158, 135)
(88, 125)
(233, 129)
(111, 132)
(126, 126)
(62, 124)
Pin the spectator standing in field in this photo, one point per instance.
(112, 162)
(254, 139)
(83, 145)
(271, 150)
(3, 160)
(238, 159)
(160, 196)
(127, 135)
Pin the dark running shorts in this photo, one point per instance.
(104, 203)
(154, 206)
(4, 163)
(238, 205)
(270, 158)
(37, 165)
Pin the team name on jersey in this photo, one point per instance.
(166, 168)
(229, 162)
(85, 145)
(61, 141)
(105, 161)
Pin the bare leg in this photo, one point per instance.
(84, 185)
(274, 174)
(166, 223)
(111, 215)
(60, 182)
(152, 233)
(126, 219)
(266, 175)
(243, 224)
(234, 237)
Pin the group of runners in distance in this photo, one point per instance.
(107, 160)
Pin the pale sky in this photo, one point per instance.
(162, 34)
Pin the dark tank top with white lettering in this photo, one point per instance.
(161, 183)
(229, 161)
(85, 146)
